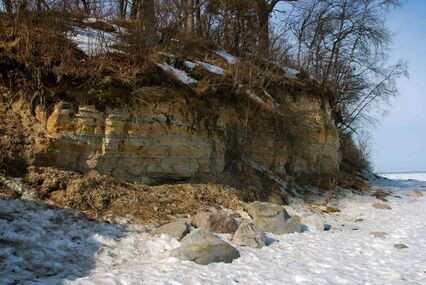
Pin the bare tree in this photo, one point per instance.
(148, 16)
(264, 10)
(189, 17)
(134, 9)
(343, 44)
(198, 24)
(122, 8)
(8, 6)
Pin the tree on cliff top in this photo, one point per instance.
(342, 44)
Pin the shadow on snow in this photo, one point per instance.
(43, 245)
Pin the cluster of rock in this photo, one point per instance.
(203, 246)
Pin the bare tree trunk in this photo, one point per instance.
(134, 11)
(226, 27)
(264, 10)
(189, 17)
(23, 5)
(38, 5)
(8, 6)
(122, 7)
(148, 19)
(264, 29)
(86, 7)
(199, 29)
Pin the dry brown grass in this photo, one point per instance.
(101, 196)
(13, 140)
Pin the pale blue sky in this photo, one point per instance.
(399, 141)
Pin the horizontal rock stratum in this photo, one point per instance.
(175, 138)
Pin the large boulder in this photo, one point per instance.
(415, 193)
(200, 236)
(278, 198)
(203, 247)
(177, 229)
(313, 221)
(249, 235)
(217, 222)
(272, 218)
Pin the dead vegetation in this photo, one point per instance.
(101, 196)
(12, 141)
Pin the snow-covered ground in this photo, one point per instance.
(39, 245)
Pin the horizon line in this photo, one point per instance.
(401, 172)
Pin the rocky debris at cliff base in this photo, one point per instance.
(381, 194)
(272, 218)
(217, 221)
(206, 253)
(313, 222)
(331, 209)
(177, 229)
(249, 235)
(200, 236)
(381, 206)
(203, 247)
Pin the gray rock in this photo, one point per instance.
(203, 247)
(217, 222)
(277, 198)
(207, 253)
(177, 229)
(381, 194)
(272, 218)
(248, 235)
(313, 221)
(200, 236)
(400, 246)
(415, 193)
(292, 226)
(382, 206)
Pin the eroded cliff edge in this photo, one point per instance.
(175, 136)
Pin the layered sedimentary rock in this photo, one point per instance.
(171, 140)
(312, 146)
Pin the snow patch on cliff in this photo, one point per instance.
(227, 56)
(92, 41)
(181, 75)
(211, 68)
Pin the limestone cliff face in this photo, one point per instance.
(169, 140)
(312, 147)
